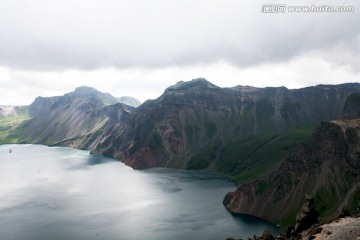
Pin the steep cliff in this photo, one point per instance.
(326, 167)
(352, 107)
(197, 125)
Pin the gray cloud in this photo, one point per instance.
(77, 34)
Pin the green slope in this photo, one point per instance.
(9, 132)
(257, 156)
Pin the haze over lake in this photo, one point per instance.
(62, 193)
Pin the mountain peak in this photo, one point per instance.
(85, 89)
(194, 83)
(130, 101)
(94, 94)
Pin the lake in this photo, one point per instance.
(58, 193)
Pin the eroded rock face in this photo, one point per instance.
(307, 215)
(265, 236)
(74, 119)
(187, 126)
(326, 167)
(352, 107)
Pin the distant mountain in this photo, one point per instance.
(74, 119)
(12, 111)
(130, 101)
(237, 131)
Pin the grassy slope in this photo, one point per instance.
(252, 158)
(8, 128)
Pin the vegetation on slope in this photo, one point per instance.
(254, 157)
(325, 167)
(9, 132)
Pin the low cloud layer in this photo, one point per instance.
(53, 35)
(141, 47)
(21, 87)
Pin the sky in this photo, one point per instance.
(140, 47)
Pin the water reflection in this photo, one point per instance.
(62, 193)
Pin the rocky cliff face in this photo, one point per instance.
(197, 125)
(41, 105)
(327, 167)
(74, 119)
(352, 107)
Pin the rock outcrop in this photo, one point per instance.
(342, 227)
(308, 215)
(352, 107)
(327, 167)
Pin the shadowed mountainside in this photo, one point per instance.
(326, 167)
(197, 125)
(352, 107)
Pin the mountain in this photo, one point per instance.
(243, 132)
(74, 119)
(326, 167)
(239, 131)
(130, 101)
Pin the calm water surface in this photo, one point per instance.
(62, 193)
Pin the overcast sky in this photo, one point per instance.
(140, 47)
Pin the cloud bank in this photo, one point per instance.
(142, 46)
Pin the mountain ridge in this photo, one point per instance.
(255, 136)
(194, 116)
(326, 167)
(72, 119)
